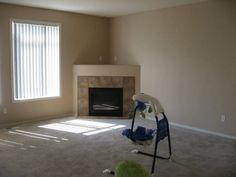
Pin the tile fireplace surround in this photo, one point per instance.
(104, 76)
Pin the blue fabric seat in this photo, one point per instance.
(144, 134)
(140, 134)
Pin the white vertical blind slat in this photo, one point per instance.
(16, 63)
(30, 62)
(33, 60)
(47, 65)
(37, 61)
(23, 60)
(27, 61)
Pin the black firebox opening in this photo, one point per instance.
(105, 101)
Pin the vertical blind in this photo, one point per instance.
(35, 63)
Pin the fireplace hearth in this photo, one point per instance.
(105, 101)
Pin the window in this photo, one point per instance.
(35, 60)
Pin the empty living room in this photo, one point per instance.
(103, 88)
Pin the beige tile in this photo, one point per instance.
(117, 82)
(106, 82)
(129, 82)
(83, 106)
(128, 93)
(82, 81)
(94, 81)
(83, 93)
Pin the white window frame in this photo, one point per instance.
(12, 58)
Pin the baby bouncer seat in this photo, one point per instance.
(143, 135)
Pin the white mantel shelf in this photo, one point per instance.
(105, 70)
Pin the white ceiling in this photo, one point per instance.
(107, 8)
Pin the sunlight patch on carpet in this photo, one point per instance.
(67, 128)
(103, 130)
(86, 127)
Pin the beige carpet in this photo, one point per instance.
(74, 148)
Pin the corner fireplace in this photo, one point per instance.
(105, 101)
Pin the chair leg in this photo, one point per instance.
(168, 131)
(151, 155)
(132, 125)
(155, 149)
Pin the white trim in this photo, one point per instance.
(11, 61)
(37, 99)
(36, 22)
(197, 129)
(46, 118)
(60, 66)
(203, 130)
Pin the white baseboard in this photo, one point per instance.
(12, 124)
(203, 130)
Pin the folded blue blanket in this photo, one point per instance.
(140, 134)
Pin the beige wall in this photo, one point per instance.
(83, 40)
(188, 60)
(187, 56)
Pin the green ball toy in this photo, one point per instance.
(129, 168)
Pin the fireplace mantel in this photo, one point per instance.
(104, 70)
